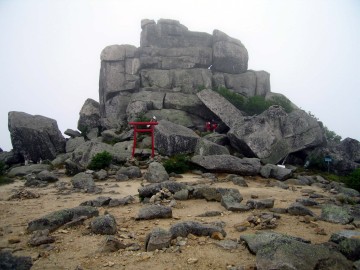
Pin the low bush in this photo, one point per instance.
(353, 180)
(100, 161)
(177, 164)
(256, 104)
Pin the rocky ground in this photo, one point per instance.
(78, 248)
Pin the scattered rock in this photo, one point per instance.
(112, 244)
(154, 211)
(298, 209)
(10, 262)
(335, 214)
(41, 237)
(260, 203)
(156, 173)
(104, 225)
(157, 239)
(185, 228)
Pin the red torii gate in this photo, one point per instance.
(150, 128)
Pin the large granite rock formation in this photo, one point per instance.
(272, 135)
(36, 137)
(173, 64)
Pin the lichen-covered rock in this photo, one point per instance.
(104, 225)
(183, 229)
(84, 181)
(56, 219)
(273, 171)
(89, 116)
(348, 243)
(335, 214)
(11, 262)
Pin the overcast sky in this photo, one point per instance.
(50, 51)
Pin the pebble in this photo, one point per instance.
(192, 260)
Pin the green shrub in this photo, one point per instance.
(256, 104)
(5, 180)
(2, 168)
(177, 164)
(353, 180)
(281, 101)
(100, 161)
(234, 98)
(331, 135)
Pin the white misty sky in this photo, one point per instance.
(50, 51)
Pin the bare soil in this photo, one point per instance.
(76, 248)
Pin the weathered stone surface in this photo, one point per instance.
(247, 84)
(183, 229)
(239, 181)
(83, 154)
(335, 214)
(11, 262)
(232, 204)
(228, 163)
(89, 116)
(157, 239)
(298, 209)
(185, 80)
(273, 171)
(171, 139)
(104, 225)
(73, 143)
(178, 117)
(112, 244)
(222, 108)
(84, 181)
(171, 34)
(156, 173)
(307, 201)
(229, 54)
(208, 148)
(24, 170)
(100, 175)
(98, 202)
(175, 58)
(56, 219)
(36, 137)
(274, 134)
(131, 171)
(186, 102)
(72, 133)
(260, 203)
(154, 211)
(47, 176)
(40, 237)
(150, 190)
(348, 243)
(123, 201)
(277, 251)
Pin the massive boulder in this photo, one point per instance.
(118, 80)
(222, 108)
(171, 34)
(89, 116)
(345, 155)
(228, 163)
(36, 137)
(229, 54)
(272, 135)
(171, 139)
(248, 84)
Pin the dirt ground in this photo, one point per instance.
(76, 248)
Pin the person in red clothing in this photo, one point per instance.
(208, 126)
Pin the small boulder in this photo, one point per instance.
(104, 225)
(156, 173)
(298, 209)
(154, 211)
(157, 239)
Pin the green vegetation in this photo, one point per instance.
(177, 164)
(100, 161)
(353, 180)
(256, 104)
(3, 179)
(2, 168)
(331, 135)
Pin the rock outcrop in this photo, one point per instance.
(34, 136)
